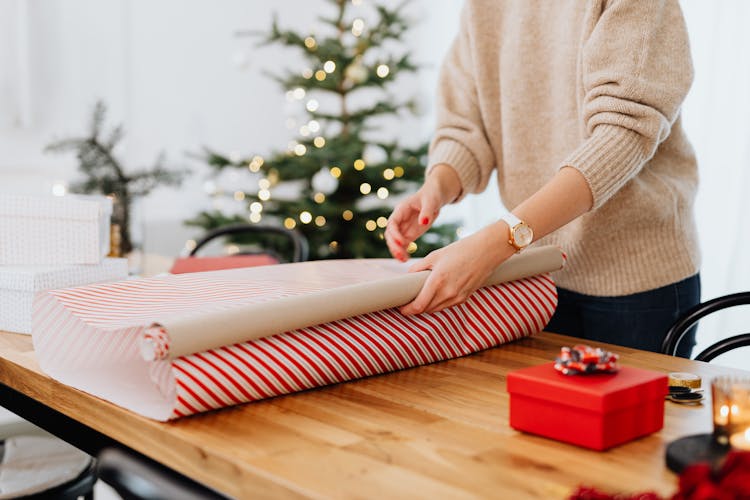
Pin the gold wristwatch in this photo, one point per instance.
(521, 235)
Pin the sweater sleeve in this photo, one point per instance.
(636, 70)
(460, 140)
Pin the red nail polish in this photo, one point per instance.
(425, 220)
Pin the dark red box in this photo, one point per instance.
(596, 411)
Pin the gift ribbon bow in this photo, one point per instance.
(585, 359)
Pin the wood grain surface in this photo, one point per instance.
(437, 431)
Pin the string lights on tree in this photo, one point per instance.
(344, 179)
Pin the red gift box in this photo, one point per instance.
(596, 411)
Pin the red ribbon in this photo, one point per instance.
(585, 359)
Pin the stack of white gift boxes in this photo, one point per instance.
(48, 243)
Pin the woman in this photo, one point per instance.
(576, 105)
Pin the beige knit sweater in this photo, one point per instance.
(530, 86)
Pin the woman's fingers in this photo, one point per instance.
(421, 302)
(422, 264)
(446, 303)
(396, 245)
(397, 251)
(410, 219)
(428, 211)
(433, 298)
(394, 238)
(431, 292)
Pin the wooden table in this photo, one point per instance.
(431, 432)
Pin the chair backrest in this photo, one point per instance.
(687, 320)
(298, 242)
(295, 242)
(723, 346)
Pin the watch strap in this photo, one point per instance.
(511, 220)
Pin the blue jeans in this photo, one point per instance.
(640, 320)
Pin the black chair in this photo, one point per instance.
(268, 245)
(137, 479)
(296, 240)
(80, 486)
(687, 320)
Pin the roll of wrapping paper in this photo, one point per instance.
(179, 336)
(682, 379)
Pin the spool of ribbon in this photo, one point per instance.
(683, 379)
(585, 359)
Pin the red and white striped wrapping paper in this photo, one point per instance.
(88, 337)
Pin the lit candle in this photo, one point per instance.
(725, 409)
(740, 440)
(722, 418)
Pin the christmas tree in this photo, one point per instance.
(344, 178)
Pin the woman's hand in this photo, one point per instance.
(413, 216)
(459, 269)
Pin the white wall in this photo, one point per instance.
(717, 119)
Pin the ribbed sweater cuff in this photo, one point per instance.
(608, 159)
(458, 157)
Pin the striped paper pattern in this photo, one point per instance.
(88, 337)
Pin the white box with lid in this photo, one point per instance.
(20, 284)
(54, 230)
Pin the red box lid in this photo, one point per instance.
(602, 392)
(184, 265)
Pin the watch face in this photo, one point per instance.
(522, 235)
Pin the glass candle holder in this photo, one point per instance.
(731, 411)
